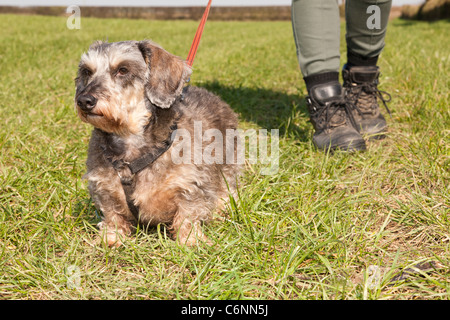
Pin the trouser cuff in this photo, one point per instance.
(354, 59)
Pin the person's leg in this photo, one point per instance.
(316, 27)
(366, 29)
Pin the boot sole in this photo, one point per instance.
(380, 135)
(351, 147)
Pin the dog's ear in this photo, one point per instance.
(167, 76)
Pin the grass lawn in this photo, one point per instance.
(316, 229)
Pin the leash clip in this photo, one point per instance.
(124, 171)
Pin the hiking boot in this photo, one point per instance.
(361, 91)
(331, 117)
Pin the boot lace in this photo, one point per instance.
(324, 114)
(370, 89)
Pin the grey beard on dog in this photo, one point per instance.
(133, 93)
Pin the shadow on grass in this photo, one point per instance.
(267, 108)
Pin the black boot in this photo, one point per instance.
(361, 91)
(331, 117)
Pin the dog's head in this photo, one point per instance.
(116, 81)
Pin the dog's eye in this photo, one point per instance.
(122, 71)
(86, 73)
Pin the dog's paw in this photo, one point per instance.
(113, 239)
(193, 236)
(111, 236)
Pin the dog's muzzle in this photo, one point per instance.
(86, 102)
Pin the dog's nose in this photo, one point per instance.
(86, 102)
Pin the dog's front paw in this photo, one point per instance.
(111, 236)
(191, 235)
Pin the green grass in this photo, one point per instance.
(310, 231)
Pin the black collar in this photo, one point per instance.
(127, 170)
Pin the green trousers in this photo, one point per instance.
(316, 26)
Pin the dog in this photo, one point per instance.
(133, 93)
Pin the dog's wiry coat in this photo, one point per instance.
(130, 92)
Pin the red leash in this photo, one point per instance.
(198, 35)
